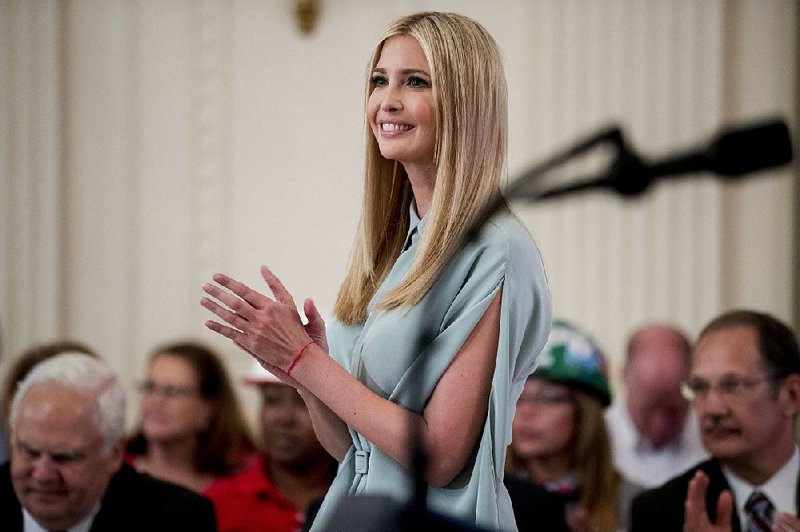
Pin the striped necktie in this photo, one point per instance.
(760, 512)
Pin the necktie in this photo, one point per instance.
(759, 512)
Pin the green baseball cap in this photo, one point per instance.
(572, 358)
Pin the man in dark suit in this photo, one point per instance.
(745, 385)
(67, 425)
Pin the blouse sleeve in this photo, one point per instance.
(471, 282)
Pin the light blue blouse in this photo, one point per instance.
(402, 353)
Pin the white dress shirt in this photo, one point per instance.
(638, 461)
(780, 489)
(29, 524)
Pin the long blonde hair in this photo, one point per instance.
(591, 459)
(597, 478)
(469, 89)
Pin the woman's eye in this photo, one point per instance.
(417, 82)
(378, 80)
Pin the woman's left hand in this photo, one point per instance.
(270, 330)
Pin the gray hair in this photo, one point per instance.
(87, 375)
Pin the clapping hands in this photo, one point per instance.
(269, 329)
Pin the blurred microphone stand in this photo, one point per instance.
(732, 153)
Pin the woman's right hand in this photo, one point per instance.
(269, 329)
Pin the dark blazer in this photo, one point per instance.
(133, 502)
(661, 509)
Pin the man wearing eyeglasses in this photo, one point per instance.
(745, 387)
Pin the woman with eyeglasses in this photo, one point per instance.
(192, 430)
(560, 459)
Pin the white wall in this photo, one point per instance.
(145, 145)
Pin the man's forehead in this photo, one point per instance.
(49, 395)
(734, 349)
(56, 415)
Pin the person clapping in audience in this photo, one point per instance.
(744, 384)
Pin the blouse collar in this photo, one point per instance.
(415, 225)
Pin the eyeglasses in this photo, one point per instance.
(167, 390)
(544, 399)
(730, 386)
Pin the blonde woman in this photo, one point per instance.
(433, 335)
(560, 454)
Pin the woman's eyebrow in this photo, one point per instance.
(404, 71)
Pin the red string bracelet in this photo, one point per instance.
(297, 358)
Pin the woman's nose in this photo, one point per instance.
(392, 99)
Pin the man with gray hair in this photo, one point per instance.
(66, 471)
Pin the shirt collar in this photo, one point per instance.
(415, 225)
(780, 488)
(84, 525)
(644, 447)
(564, 484)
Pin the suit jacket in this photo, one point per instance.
(133, 502)
(661, 509)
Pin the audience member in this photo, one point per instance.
(192, 429)
(292, 470)
(560, 443)
(23, 365)
(745, 385)
(653, 432)
(66, 471)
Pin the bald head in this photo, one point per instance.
(655, 338)
(657, 362)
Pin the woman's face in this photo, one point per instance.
(544, 424)
(287, 434)
(172, 407)
(401, 109)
